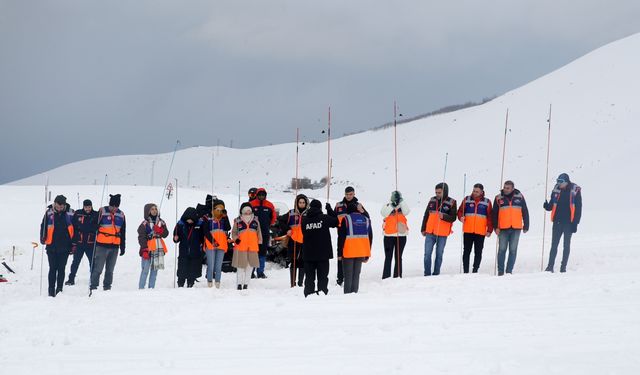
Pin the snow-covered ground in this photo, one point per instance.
(586, 321)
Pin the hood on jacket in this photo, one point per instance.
(565, 177)
(190, 213)
(261, 190)
(445, 189)
(315, 208)
(147, 209)
(298, 197)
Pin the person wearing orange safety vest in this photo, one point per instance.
(291, 223)
(395, 233)
(216, 241)
(566, 210)
(437, 221)
(247, 238)
(357, 236)
(151, 232)
(475, 215)
(340, 212)
(510, 216)
(56, 232)
(111, 237)
(266, 214)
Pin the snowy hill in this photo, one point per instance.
(582, 322)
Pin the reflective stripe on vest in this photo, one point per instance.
(392, 223)
(294, 222)
(110, 224)
(51, 225)
(510, 211)
(435, 225)
(219, 236)
(555, 195)
(356, 243)
(475, 215)
(248, 235)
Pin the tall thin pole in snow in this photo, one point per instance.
(504, 150)
(439, 208)
(213, 172)
(464, 193)
(395, 158)
(294, 271)
(100, 210)
(175, 244)
(329, 160)
(546, 186)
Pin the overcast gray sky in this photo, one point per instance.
(82, 79)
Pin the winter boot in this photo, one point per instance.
(239, 287)
(245, 286)
(217, 285)
(210, 284)
(71, 281)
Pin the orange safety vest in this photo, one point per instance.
(435, 225)
(391, 222)
(50, 222)
(294, 223)
(510, 211)
(219, 236)
(475, 215)
(356, 243)
(248, 235)
(154, 243)
(555, 195)
(109, 226)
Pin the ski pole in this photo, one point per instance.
(168, 174)
(504, 150)
(546, 186)
(95, 238)
(464, 193)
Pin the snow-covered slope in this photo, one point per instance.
(582, 322)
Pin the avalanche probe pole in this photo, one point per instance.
(546, 186)
(294, 271)
(504, 149)
(395, 158)
(464, 193)
(175, 244)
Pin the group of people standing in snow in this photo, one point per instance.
(206, 232)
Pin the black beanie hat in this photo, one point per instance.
(87, 202)
(60, 199)
(114, 200)
(315, 204)
(564, 176)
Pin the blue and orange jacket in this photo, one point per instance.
(476, 214)
(355, 230)
(216, 233)
(431, 221)
(111, 228)
(575, 202)
(47, 227)
(510, 211)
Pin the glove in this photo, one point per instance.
(143, 250)
(158, 230)
(237, 241)
(327, 207)
(74, 247)
(545, 204)
(145, 254)
(121, 252)
(574, 227)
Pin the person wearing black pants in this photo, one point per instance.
(475, 241)
(566, 210)
(475, 214)
(317, 247)
(56, 232)
(85, 226)
(395, 233)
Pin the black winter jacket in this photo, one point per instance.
(316, 235)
